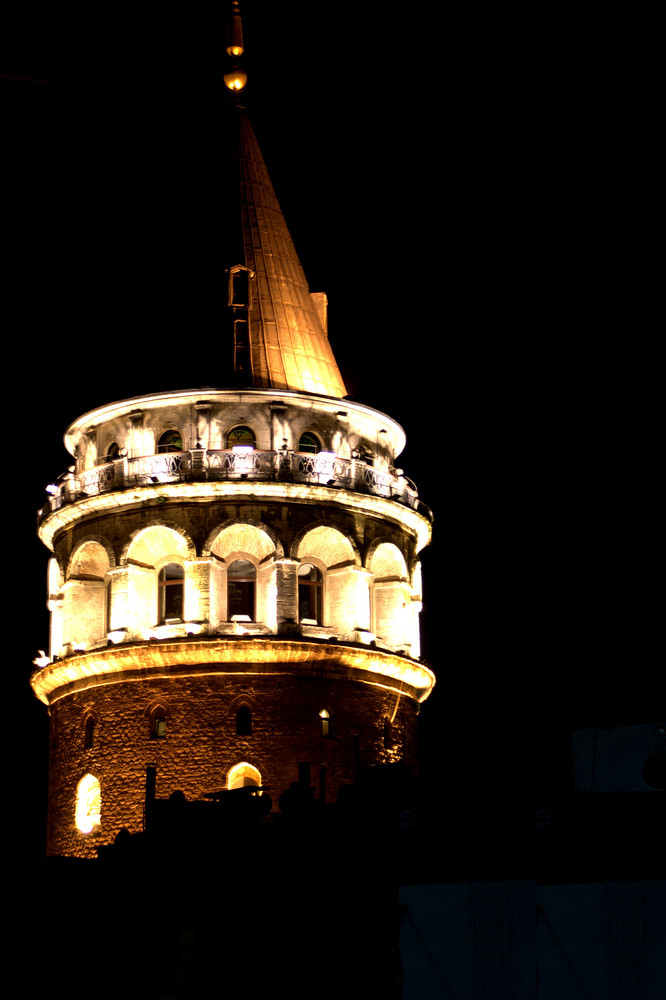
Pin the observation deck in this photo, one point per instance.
(235, 465)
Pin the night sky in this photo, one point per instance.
(387, 144)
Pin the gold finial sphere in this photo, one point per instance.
(235, 79)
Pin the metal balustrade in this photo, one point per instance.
(322, 469)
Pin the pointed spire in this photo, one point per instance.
(277, 328)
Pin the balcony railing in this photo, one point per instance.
(201, 465)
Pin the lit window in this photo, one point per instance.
(158, 723)
(88, 804)
(241, 580)
(170, 588)
(171, 440)
(325, 722)
(309, 444)
(244, 721)
(243, 775)
(240, 437)
(310, 594)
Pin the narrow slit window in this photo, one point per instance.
(89, 733)
(158, 724)
(244, 721)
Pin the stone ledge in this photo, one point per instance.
(135, 662)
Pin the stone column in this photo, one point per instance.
(347, 598)
(68, 620)
(118, 610)
(203, 424)
(217, 591)
(286, 581)
(55, 605)
(340, 439)
(90, 453)
(280, 430)
(414, 611)
(198, 589)
(136, 449)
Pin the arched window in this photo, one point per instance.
(113, 451)
(170, 589)
(158, 723)
(244, 721)
(242, 775)
(309, 443)
(171, 440)
(310, 594)
(325, 722)
(240, 437)
(88, 804)
(89, 732)
(241, 586)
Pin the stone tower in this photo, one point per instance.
(235, 584)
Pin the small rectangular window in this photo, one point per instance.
(240, 288)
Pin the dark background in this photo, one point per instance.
(460, 261)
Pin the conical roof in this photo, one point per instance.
(288, 342)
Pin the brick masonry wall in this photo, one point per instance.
(201, 744)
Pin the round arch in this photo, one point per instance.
(82, 621)
(309, 443)
(326, 544)
(169, 440)
(386, 562)
(241, 436)
(243, 537)
(90, 560)
(345, 596)
(243, 774)
(392, 619)
(158, 542)
(150, 551)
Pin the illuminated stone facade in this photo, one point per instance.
(235, 584)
